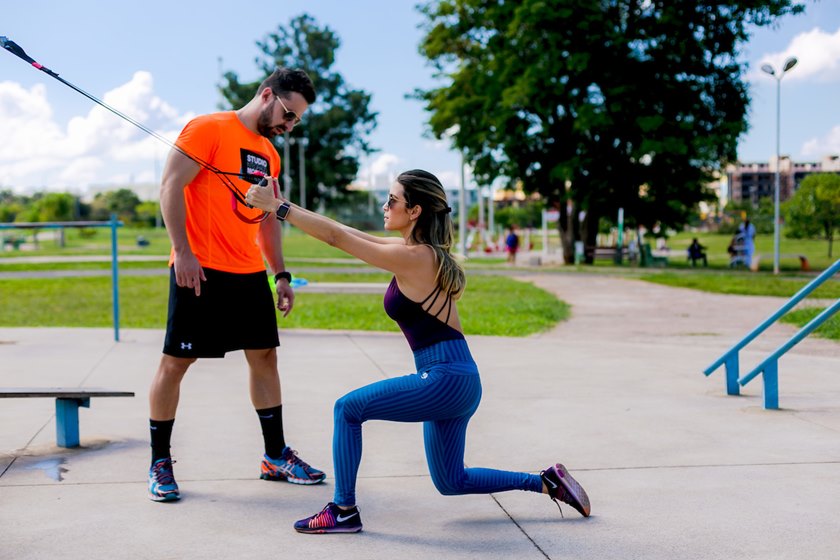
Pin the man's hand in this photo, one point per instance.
(188, 271)
(285, 297)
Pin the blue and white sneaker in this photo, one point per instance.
(291, 468)
(162, 485)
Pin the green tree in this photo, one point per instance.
(595, 105)
(334, 129)
(524, 215)
(814, 209)
(11, 205)
(122, 202)
(148, 213)
(760, 215)
(54, 207)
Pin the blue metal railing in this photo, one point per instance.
(769, 367)
(113, 223)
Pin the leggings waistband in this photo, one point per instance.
(446, 351)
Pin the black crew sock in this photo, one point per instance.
(161, 431)
(271, 420)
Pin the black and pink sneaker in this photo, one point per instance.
(561, 486)
(331, 519)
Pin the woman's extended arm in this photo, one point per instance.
(373, 238)
(398, 257)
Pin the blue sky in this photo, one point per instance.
(160, 62)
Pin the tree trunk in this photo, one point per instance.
(589, 234)
(566, 228)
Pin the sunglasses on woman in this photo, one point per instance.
(392, 200)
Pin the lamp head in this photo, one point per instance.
(790, 63)
(769, 69)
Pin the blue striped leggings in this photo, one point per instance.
(443, 394)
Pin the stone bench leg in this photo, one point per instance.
(67, 421)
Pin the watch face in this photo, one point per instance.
(283, 211)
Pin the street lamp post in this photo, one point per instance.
(302, 142)
(287, 178)
(462, 209)
(451, 133)
(789, 63)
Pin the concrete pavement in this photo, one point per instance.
(673, 466)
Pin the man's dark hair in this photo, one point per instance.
(286, 80)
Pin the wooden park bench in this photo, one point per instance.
(608, 253)
(67, 403)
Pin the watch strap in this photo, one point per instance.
(285, 274)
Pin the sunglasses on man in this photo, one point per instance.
(288, 116)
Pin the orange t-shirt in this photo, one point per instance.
(219, 239)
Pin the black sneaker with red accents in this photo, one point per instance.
(331, 519)
(561, 486)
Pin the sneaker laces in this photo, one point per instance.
(162, 472)
(560, 495)
(292, 458)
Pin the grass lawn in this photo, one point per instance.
(814, 250)
(760, 284)
(743, 283)
(800, 317)
(86, 302)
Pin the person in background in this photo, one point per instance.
(697, 252)
(512, 244)
(747, 231)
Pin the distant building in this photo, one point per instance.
(752, 181)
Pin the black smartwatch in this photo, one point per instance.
(285, 274)
(283, 211)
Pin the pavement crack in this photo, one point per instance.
(518, 526)
(368, 356)
(9, 466)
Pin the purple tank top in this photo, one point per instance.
(419, 326)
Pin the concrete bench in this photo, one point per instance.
(67, 403)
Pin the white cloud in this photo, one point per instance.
(384, 164)
(819, 147)
(380, 171)
(95, 148)
(817, 53)
(450, 179)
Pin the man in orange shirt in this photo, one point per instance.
(219, 296)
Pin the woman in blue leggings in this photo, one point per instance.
(446, 390)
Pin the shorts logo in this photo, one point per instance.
(186, 346)
(424, 375)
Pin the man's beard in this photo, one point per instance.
(264, 123)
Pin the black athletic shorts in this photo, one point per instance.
(233, 312)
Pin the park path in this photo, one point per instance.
(628, 310)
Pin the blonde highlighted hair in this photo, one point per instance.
(434, 226)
